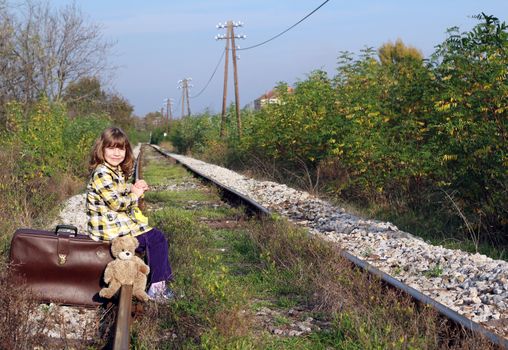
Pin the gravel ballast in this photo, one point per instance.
(473, 285)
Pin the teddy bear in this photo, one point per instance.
(126, 268)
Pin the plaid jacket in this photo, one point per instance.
(109, 205)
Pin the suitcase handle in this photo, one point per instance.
(66, 228)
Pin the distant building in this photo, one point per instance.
(268, 98)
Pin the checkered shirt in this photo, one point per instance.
(110, 204)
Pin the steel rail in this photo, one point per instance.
(123, 317)
(426, 300)
(121, 339)
(445, 311)
(227, 193)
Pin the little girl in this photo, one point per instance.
(110, 205)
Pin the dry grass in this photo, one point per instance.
(65, 186)
(367, 312)
(232, 323)
(27, 324)
(167, 146)
(13, 211)
(161, 326)
(17, 331)
(27, 201)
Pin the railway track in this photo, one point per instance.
(124, 315)
(464, 325)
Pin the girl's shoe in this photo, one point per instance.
(159, 292)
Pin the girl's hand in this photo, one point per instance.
(137, 190)
(142, 185)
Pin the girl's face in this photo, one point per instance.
(114, 156)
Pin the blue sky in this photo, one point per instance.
(160, 42)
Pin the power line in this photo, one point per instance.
(253, 46)
(287, 30)
(211, 77)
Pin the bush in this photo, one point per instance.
(404, 134)
(43, 153)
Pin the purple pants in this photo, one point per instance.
(155, 245)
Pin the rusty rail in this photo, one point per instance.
(445, 311)
(122, 337)
(123, 319)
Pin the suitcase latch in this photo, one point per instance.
(62, 259)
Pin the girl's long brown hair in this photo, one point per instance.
(112, 137)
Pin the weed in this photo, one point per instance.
(175, 197)
(281, 320)
(286, 302)
(435, 271)
(274, 264)
(367, 252)
(156, 174)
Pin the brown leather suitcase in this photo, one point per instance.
(60, 266)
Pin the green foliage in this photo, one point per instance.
(49, 142)
(435, 271)
(78, 138)
(120, 111)
(293, 130)
(42, 152)
(157, 136)
(40, 137)
(390, 129)
(192, 133)
(390, 53)
(86, 97)
(470, 129)
(137, 134)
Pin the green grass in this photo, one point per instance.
(164, 173)
(214, 289)
(435, 271)
(225, 276)
(179, 197)
(286, 302)
(219, 213)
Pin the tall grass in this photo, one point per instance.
(224, 275)
(365, 311)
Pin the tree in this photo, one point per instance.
(390, 53)
(8, 77)
(85, 97)
(119, 110)
(153, 120)
(471, 120)
(43, 50)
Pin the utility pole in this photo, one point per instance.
(182, 102)
(169, 115)
(187, 96)
(184, 85)
(230, 40)
(225, 90)
(237, 96)
(170, 105)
